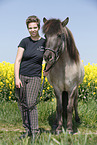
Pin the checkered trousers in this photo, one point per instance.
(27, 96)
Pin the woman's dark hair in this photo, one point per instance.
(33, 19)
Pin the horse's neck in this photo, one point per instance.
(65, 57)
(63, 60)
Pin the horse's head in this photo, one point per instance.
(55, 38)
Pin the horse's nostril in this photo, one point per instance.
(50, 56)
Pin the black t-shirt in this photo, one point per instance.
(31, 63)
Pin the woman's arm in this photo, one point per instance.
(19, 56)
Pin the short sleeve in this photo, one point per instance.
(22, 44)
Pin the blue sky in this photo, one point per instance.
(82, 23)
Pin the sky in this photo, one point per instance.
(82, 23)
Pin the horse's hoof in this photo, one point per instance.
(58, 130)
(70, 131)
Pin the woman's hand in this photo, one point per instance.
(18, 83)
(45, 73)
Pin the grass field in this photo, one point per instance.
(11, 125)
(11, 128)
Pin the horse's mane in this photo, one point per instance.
(53, 27)
(71, 47)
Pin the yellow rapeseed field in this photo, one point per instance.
(88, 89)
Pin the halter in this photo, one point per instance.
(56, 53)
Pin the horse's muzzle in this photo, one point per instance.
(48, 57)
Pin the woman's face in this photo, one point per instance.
(33, 29)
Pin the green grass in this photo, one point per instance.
(49, 139)
(11, 125)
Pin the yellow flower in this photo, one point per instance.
(46, 79)
(85, 81)
(1, 84)
(43, 91)
(10, 86)
(9, 97)
(94, 93)
(51, 86)
(88, 84)
(13, 83)
(7, 82)
(96, 81)
(52, 100)
(48, 88)
(10, 92)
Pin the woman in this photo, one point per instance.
(28, 66)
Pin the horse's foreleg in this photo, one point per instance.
(70, 112)
(77, 119)
(59, 111)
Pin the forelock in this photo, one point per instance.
(52, 26)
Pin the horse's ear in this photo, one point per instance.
(44, 19)
(65, 22)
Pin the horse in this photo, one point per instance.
(65, 70)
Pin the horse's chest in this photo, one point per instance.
(56, 80)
